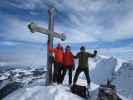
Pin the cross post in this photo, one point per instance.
(51, 34)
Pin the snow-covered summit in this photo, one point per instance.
(101, 69)
(55, 92)
(120, 72)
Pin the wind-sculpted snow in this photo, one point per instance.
(120, 72)
(124, 80)
(103, 71)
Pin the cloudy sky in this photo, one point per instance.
(105, 25)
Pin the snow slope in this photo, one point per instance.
(43, 93)
(102, 69)
(56, 92)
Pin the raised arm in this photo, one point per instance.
(50, 49)
(73, 58)
(92, 55)
(77, 56)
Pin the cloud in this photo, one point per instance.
(23, 53)
(27, 4)
(124, 53)
(124, 28)
(107, 23)
(82, 20)
(17, 30)
(97, 21)
(73, 35)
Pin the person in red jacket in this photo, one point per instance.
(68, 63)
(58, 52)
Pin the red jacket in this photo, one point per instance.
(58, 54)
(68, 59)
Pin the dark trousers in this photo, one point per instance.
(69, 69)
(86, 72)
(56, 73)
(60, 72)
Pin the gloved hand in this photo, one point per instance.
(48, 41)
(95, 51)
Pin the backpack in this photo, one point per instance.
(81, 91)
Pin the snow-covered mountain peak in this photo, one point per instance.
(102, 68)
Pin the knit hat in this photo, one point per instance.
(82, 48)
